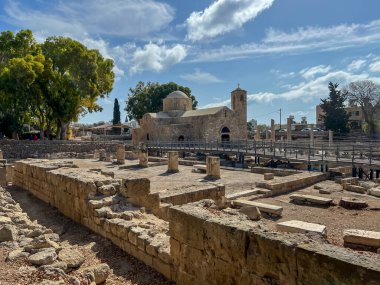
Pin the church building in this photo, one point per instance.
(179, 122)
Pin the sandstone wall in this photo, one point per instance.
(199, 244)
(13, 149)
(226, 249)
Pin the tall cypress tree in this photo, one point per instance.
(335, 116)
(116, 113)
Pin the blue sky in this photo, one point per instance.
(283, 52)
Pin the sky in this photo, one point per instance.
(283, 52)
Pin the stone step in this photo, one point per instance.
(374, 192)
(354, 188)
(295, 226)
(311, 199)
(242, 194)
(266, 208)
(263, 191)
(361, 237)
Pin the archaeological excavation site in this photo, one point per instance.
(117, 213)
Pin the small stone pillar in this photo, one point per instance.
(213, 167)
(120, 154)
(312, 135)
(257, 135)
(172, 161)
(9, 170)
(3, 176)
(272, 131)
(96, 154)
(143, 158)
(331, 137)
(289, 129)
(1, 154)
(102, 155)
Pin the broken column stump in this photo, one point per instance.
(213, 167)
(173, 161)
(120, 154)
(352, 203)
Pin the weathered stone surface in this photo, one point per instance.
(311, 199)
(374, 192)
(97, 273)
(8, 233)
(5, 220)
(135, 186)
(324, 191)
(268, 176)
(252, 213)
(242, 194)
(295, 226)
(43, 257)
(72, 257)
(352, 203)
(16, 254)
(355, 188)
(173, 161)
(213, 167)
(367, 238)
(266, 208)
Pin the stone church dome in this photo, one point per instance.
(177, 94)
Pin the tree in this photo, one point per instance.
(366, 94)
(147, 98)
(335, 116)
(116, 116)
(116, 113)
(81, 76)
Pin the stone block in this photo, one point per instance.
(213, 167)
(3, 176)
(242, 194)
(374, 192)
(311, 199)
(268, 176)
(135, 187)
(361, 237)
(295, 226)
(173, 161)
(266, 208)
(143, 158)
(252, 213)
(120, 154)
(354, 188)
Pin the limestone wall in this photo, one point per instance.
(198, 244)
(226, 249)
(13, 149)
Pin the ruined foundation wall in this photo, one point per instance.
(13, 149)
(203, 245)
(224, 249)
(87, 198)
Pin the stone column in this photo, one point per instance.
(143, 158)
(331, 137)
(213, 167)
(1, 154)
(272, 131)
(3, 176)
(96, 154)
(120, 154)
(312, 135)
(172, 161)
(289, 129)
(102, 155)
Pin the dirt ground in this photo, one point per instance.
(126, 269)
(335, 218)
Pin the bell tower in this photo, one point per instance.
(239, 107)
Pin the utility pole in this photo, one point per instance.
(280, 119)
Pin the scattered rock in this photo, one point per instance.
(74, 280)
(43, 257)
(378, 250)
(72, 257)
(44, 242)
(8, 233)
(324, 191)
(317, 187)
(97, 273)
(5, 220)
(16, 254)
(252, 212)
(352, 203)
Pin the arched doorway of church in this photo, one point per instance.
(181, 138)
(147, 137)
(225, 134)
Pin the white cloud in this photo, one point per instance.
(156, 57)
(375, 66)
(303, 40)
(132, 18)
(312, 71)
(223, 16)
(201, 77)
(356, 64)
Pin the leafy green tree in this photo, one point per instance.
(81, 76)
(147, 98)
(335, 116)
(366, 94)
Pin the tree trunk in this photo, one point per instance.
(63, 135)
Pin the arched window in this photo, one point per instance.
(225, 130)
(181, 138)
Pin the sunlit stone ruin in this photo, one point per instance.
(226, 212)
